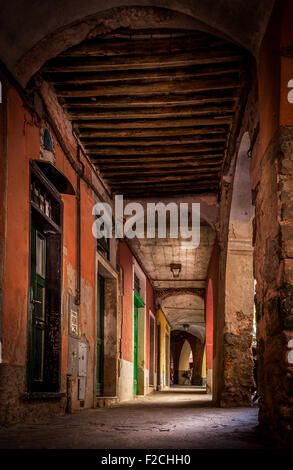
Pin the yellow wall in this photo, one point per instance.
(204, 365)
(164, 327)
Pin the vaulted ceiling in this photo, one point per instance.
(154, 109)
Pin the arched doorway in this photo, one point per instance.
(235, 379)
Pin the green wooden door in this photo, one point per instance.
(37, 300)
(100, 336)
(137, 303)
(135, 350)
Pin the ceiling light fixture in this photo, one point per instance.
(175, 268)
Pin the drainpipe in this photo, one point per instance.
(78, 225)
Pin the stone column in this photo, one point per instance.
(273, 266)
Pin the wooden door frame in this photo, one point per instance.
(53, 309)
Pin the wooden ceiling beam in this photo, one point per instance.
(149, 113)
(154, 149)
(160, 168)
(200, 156)
(154, 88)
(96, 64)
(62, 76)
(147, 133)
(154, 123)
(112, 165)
(165, 183)
(92, 143)
(98, 47)
(171, 99)
(115, 176)
(157, 193)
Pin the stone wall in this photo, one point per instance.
(273, 270)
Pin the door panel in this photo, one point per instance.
(100, 336)
(135, 350)
(37, 300)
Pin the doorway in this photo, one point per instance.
(37, 299)
(138, 303)
(44, 322)
(100, 336)
(152, 352)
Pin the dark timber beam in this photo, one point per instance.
(62, 77)
(170, 99)
(91, 64)
(147, 133)
(93, 142)
(200, 157)
(154, 123)
(153, 149)
(154, 88)
(115, 47)
(149, 113)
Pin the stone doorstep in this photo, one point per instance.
(105, 402)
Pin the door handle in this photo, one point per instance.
(40, 323)
(36, 301)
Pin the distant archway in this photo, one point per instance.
(184, 361)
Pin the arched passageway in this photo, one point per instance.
(158, 105)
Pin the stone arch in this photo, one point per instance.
(57, 28)
(239, 288)
(178, 339)
(183, 365)
(186, 308)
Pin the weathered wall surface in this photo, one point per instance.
(23, 144)
(211, 303)
(273, 187)
(3, 198)
(274, 289)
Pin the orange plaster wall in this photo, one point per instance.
(23, 144)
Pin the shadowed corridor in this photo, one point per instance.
(182, 417)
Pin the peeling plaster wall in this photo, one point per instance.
(23, 145)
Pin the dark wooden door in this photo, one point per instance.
(38, 316)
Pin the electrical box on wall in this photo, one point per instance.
(72, 361)
(82, 359)
(81, 388)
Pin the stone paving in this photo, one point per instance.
(181, 418)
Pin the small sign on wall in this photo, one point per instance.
(73, 317)
(73, 323)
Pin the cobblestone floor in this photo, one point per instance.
(177, 419)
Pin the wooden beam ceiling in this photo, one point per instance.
(153, 108)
